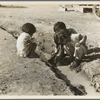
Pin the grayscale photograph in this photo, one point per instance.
(49, 49)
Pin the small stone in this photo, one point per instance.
(41, 34)
(25, 67)
(5, 39)
(3, 89)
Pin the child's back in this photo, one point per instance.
(75, 38)
(23, 45)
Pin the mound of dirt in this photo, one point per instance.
(25, 76)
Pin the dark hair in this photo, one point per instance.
(28, 28)
(61, 36)
(58, 26)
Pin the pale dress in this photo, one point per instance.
(23, 44)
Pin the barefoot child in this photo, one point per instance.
(61, 36)
(25, 44)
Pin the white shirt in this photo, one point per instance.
(23, 44)
(75, 38)
(70, 46)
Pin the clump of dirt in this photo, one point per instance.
(92, 71)
(14, 30)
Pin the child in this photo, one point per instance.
(68, 43)
(61, 36)
(78, 41)
(25, 44)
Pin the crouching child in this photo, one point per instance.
(25, 43)
(61, 37)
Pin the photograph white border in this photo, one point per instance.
(49, 97)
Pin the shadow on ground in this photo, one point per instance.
(92, 54)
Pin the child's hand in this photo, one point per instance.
(83, 40)
(33, 40)
(72, 31)
(77, 45)
(53, 53)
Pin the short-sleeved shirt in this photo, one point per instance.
(23, 44)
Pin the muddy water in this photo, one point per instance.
(78, 78)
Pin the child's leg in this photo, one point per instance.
(79, 53)
(69, 49)
(83, 40)
(60, 54)
(57, 56)
(32, 49)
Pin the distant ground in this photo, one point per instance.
(30, 76)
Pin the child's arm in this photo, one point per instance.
(59, 44)
(56, 40)
(33, 40)
(72, 31)
(83, 40)
(60, 50)
(27, 41)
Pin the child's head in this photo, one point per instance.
(62, 37)
(58, 26)
(29, 28)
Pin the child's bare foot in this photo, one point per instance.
(48, 64)
(52, 63)
(75, 63)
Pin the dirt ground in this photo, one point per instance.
(30, 76)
